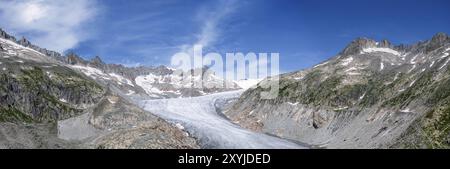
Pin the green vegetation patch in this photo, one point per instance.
(14, 115)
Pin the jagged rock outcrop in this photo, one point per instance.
(97, 62)
(74, 59)
(5, 35)
(24, 42)
(357, 45)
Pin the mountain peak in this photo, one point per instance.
(24, 42)
(437, 41)
(73, 59)
(385, 44)
(440, 37)
(97, 60)
(357, 45)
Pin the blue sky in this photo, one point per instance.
(149, 32)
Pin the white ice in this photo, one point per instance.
(385, 50)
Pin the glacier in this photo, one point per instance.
(201, 118)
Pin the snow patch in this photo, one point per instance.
(353, 73)
(340, 108)
(381, 66)
(385, 50)
(445, 64)
(179, 126)
(351, 69)
(412, 83)
(362, 96)
(444, 56)
(247, 83)
(91, 72)
(146, 83)
(251, 112)
(405, 110)
(121, 79)
(112, 101)
(292, 104)
(413, 60)
(49, 74)
(347, 61)
(15, 46)
(432, 63)
(321, 64)
(130, 92)
(298, 78)
(410, 70)
(396, 76)
(63, 100)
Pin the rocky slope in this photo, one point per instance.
(371, 95)
(41, 90)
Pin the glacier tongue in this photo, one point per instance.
(200, 118)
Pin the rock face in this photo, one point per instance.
(42, 91)
(371, 95)
(6, 36)
(116, 123)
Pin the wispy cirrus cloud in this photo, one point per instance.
(209, 18)
(54, 24)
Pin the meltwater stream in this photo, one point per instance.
(199, 117)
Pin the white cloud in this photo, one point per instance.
(53, 24)
(209, 19)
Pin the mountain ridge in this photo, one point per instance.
(368, 96)
(154, 81)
